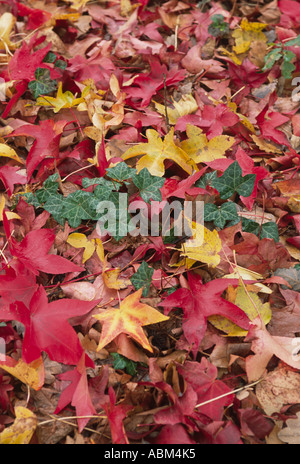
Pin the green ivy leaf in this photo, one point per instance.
(288, 67)
(267, 230)
(43, 84)
(143, 278)
(293, 42)
(233, 181)
(79, 206)
(55, 206)
(49, 188)
(121, 172)
(220, 215)
(271, 58)
(124, 364)
(148, 185)
(50, 57)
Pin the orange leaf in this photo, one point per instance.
(129, 319)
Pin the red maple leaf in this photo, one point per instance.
(146, 85)
(77, 393)
(47, 327)
(200, 301)
(47, 137)
(203, 378)
(115, 415)
(33, 253)
(10, 176)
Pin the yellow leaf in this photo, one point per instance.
(156, 151)
(8, 152)
(21, 431)
(99, 248)
(80, 241)
(111, 277)
(128, 319)
(62, 100)
(251, 308)
(7, 22)
(248, 33)
(205, 245)
(244, 119)
(201, 150)
(32, 374)
(9, 214)
(77, 3)
(186, 105)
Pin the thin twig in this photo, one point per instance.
(166, 108)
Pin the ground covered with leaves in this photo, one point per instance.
(114, 327)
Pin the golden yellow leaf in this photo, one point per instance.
(7, 22)
(32, 374)
(186, 105)
(111, 277)
(80, 241)
(21, 431)
(204, 246)
(9, 214)
(9, 152)
(246, 34)
(202, 150)
(252, 308)
(62, 100)
(156, 151)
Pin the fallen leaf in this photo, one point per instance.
(204, 246)
(156, 151)
(128, 318)
(277, 389)
(202, 150)
(291, 433)
(20, 433)
(32, 374)
(251, 304)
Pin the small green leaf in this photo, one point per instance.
(293, 42)
(271, 58)
(148, 185)
(50, 57)
(49, 188)
(288, 67)
(267, 230)
(143, 278)
(233, 181)
(61, 64)
(54, 205)
(79, 206)
(120, 172)
(220, 215)
(124, 364)
(43, 84)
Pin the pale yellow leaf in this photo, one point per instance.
(204, 246)
(21, 431)
(202, 150)
(186, 105)
(7, 22)
(252, 306)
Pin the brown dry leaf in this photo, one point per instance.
(291, 433)
(279, 387)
